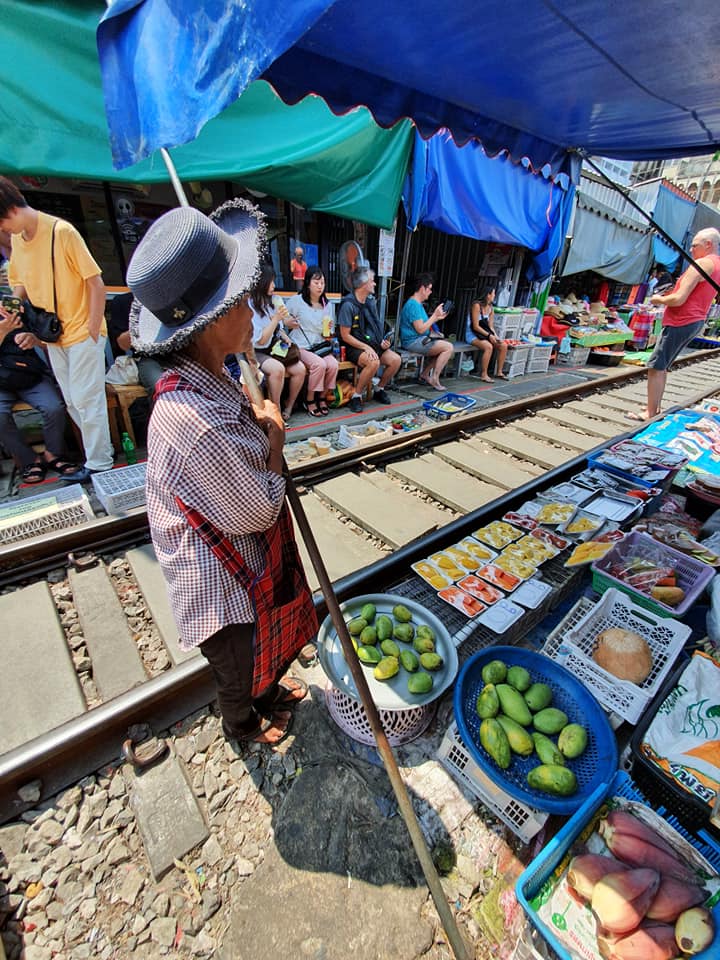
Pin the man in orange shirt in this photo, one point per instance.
(52, 267)
(298, 268)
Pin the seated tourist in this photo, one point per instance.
(418, 336)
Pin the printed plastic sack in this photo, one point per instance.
(123, 372)
(684, 736)
(340, 394)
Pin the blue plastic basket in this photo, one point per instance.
(596, 765)
(432, 407)
(539, 871)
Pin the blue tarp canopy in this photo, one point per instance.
(534, 78)
(608, 243)
(460, 190)
(671, 212)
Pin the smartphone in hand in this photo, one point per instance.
(11, 304)
(447, 307)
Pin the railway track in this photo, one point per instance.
(90, 646)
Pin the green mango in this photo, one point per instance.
(401, 613)
(519, 739)
(384, 627)
(369, 655)
(356, 626)
(512, 704)
(550, 720)
(424, 631)
(538, 697)
(368, 636)
(494, 672)
(409, 661)
(423, 645)
(552, 778)
(420, 683)
(519, 678)
(546, 750)
(572, 741)
(495, 741)
(387, 668)
(404, 632)
(488, 702)
(431, 661)
(368, 612)
(390, 648)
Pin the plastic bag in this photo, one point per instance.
(123, 372)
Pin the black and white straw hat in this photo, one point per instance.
(189, 270)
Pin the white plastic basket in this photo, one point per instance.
(538, 366)
(524, 821)
(574, 648)
(44, 513)
(359, 436)
(119, 490)
(400, 726)
(541, 351)
(515, 369)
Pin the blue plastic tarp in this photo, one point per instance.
(609, 248)
(463, 191)
(527, 76)
(674, 214)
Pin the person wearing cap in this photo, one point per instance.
(686, 307)
(215, 489)
(366, 343)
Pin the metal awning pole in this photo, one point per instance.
(174, 178)
(646, 216)
(447, 918)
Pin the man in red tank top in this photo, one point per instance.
(686, 307)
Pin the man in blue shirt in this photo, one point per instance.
(416, 331)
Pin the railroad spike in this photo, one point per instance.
(84, 561)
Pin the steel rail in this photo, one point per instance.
(30, 558)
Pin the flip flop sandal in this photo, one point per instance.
(636, 417)
(35, 473)
(281, 721)
(291, 690)
(62, 466)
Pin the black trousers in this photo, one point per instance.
(230, 655)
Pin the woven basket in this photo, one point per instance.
(400, 726)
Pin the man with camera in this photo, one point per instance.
(420, 334)
(366, 343)
(52, 267)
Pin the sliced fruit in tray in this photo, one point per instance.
(609, 536)
(447, 565)
(587, 552)
(430, 574)
(582, 523)
(521, 520)
(477, 549)
(462, 557)
(481, 590)
(499, 577)
(554, 539)
(556, 512)
(518, 568)
(462, 601)
(498, 534)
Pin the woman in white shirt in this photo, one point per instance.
(315, 325)
(268, 320)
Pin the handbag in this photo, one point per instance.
(286, 353)
(44, 324)
(321, 349)
(20, 369)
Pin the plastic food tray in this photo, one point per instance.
(691, 811)
(432, 407)
(615, 506)
(574, 649)
(571, 492)
(389, 694)
(524, 821)
(692, 575)
(594, 767)
(535, 876)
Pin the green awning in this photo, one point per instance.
(53, 122)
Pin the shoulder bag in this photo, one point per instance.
(321, 349)
(44, 324)
(286, 353)
(19, 369)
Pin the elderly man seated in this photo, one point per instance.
(418, 331)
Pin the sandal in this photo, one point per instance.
(61, 466)
(323, 408)
(266, 730)
(35, 473)
(312, 408)
(289, 690)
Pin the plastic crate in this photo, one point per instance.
(691, 811)
(525, 822)
(434, 410)
(598, 461)
(577, 357)
(540, 870)
(44, 513)
(575, 646)
(538, 366)
(692, 575)
(119, 490)
(596, 765)
(541, 351)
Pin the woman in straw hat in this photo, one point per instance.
(215, 488)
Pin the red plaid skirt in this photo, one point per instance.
(285, 618)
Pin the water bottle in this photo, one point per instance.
(129, 449)
(336, 349)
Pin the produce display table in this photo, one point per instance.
(601, 338)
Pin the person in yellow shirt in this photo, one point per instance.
(51, 266)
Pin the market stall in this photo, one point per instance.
(565, 624)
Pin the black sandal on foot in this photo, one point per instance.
(62, 466)
(35, 473)
(312, 408)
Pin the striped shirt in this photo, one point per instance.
(207, 449)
